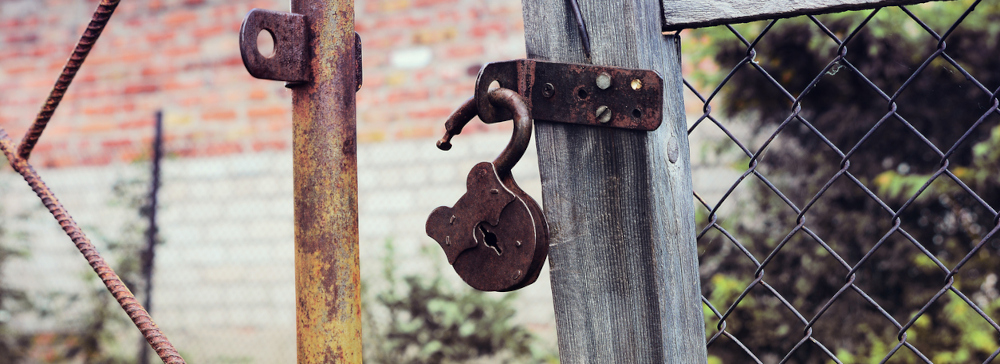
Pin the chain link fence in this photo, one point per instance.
(862, 225)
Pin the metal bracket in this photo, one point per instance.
(289, 61)
(576, 94)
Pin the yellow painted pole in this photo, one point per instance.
(327, 275)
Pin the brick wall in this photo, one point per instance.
(420, 60)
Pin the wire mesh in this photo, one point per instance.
(862, 226)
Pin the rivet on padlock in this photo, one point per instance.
(495, 236)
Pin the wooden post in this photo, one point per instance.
(623, 259)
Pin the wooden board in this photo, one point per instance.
(682, 14)
(623, 259)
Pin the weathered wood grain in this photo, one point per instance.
(619, 203)
(682, 14)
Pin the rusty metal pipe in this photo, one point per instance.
(83, 47)
(327, 274)
(125, 298)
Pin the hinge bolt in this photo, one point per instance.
(603, 114)
(548, 90)
(603, 81)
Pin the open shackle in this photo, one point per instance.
(521, 137)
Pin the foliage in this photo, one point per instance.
(893, 162)
(431, 322)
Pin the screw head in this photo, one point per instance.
(548, 90)
(603, 81)
(603, 114)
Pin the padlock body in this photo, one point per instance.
(495, 235)
(503, 254)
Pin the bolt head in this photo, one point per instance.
(603, 81)
(548, 90)
(603, 114)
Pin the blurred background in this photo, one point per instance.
(223, 288)
(223, 285)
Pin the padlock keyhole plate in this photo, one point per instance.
(490, 239)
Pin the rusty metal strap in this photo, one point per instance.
(576, 93)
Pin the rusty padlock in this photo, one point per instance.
(495, 236)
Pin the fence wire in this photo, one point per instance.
(863, 224)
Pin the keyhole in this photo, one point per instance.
(490, 239)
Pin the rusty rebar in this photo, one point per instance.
(83, 47)
(125, 298)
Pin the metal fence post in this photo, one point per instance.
(327, 276)
(623, 258)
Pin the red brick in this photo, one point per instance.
(155, 70)
(181, 50)
(432, 113)
(208, 31)
(155, 5)
(140, 89)
(222, 148)
(257, 94)
(22, 38)
(178, 86)
(466, 51)
(100, 110)
(483, 29)
(430, 3)
(159, 37)
(20, 69)
(137, 124)
(116, 143)
(269, 112)
(407, 96)
(259, 146)
(180, 18)
(96, 126)
(219, 115)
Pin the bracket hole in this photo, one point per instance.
(582, 94)
(491, 240)
(494, 85)
(266, 43)
(636, 113)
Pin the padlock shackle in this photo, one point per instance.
(512, 101)
(502, 98)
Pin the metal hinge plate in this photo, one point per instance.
(575, 93)
(289, 61)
